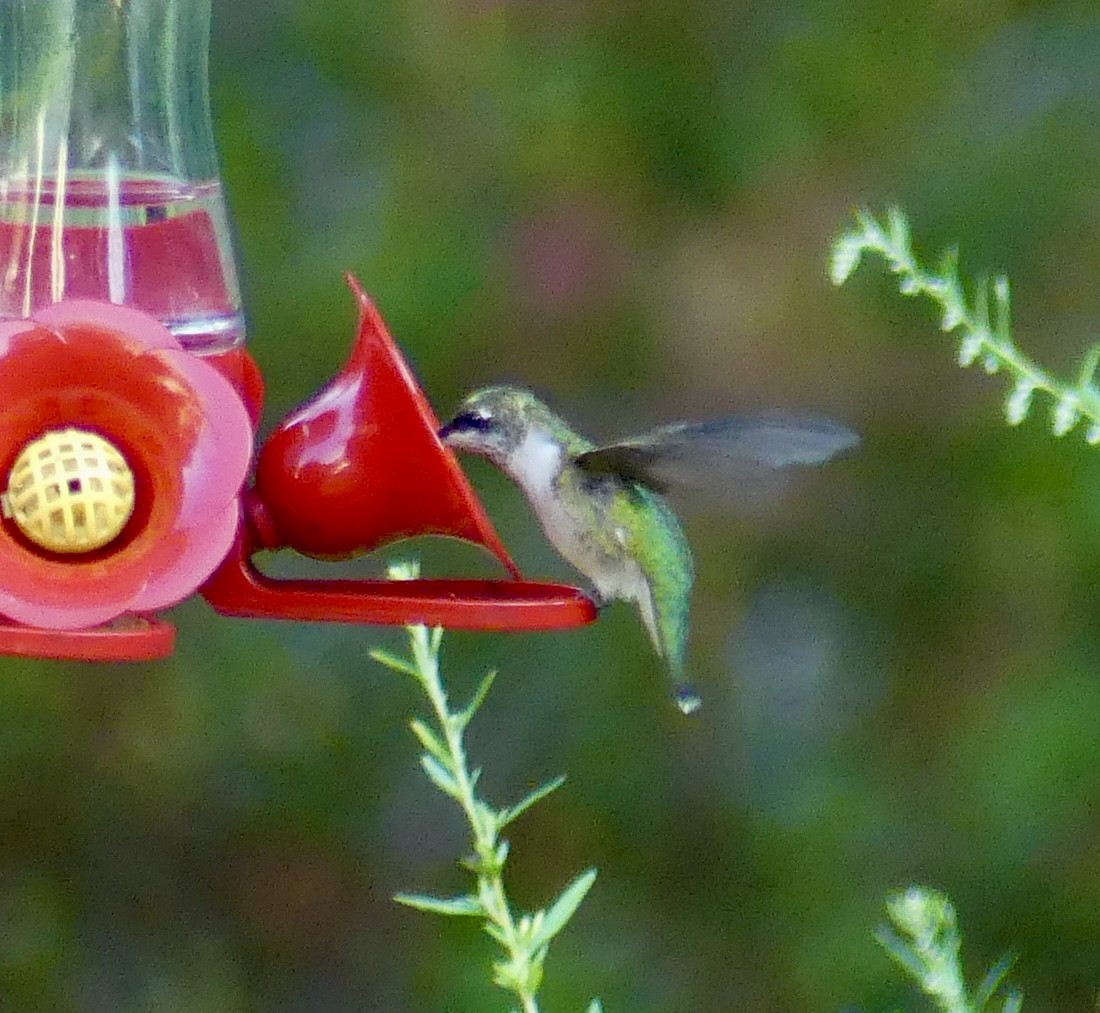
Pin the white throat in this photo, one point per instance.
(535, 463)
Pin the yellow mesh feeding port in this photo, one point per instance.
(70, 491)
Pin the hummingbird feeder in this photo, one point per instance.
(129, 473)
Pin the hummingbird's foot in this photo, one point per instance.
(687, 699)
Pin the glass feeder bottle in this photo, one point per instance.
(109, 185)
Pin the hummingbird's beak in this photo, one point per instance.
(446, 431)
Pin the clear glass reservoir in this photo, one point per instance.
(109, 184)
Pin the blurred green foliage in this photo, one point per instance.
(628, 206)
(924, 940)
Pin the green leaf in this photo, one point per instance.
(900, 951)
(536, 971)
(440, 776)
(563, 908)
(493, 931)
(992, 981)
(465, 715)
(899, 228)
(970, 347)
(847, 251)
(466, 906)
(1018, 403)
(506, 976)
(506, 816)
(430, 741)
(954, 313)
(483, 821)
(981, 306)
(1002, 309)
(384, 657)
(1089, 362)
(1065, 415)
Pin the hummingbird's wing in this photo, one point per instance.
(712, 455)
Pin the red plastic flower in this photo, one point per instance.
(181, 427)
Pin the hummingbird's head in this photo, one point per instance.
(516, 431)
(495, 422)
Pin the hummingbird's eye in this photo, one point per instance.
(472, 420)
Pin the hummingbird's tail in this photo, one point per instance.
(686, 698)
(663, 603)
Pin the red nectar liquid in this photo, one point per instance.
(155, 244)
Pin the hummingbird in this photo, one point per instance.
(603, 508)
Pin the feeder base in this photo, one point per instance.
(131, 638)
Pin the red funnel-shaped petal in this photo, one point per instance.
(360, 464)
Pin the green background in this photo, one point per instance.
(627, 205)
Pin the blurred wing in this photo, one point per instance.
(711, 455)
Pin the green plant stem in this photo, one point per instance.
(486, 843)
(524, 939)
(984, 321)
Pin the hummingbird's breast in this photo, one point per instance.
(576, 510)
(580, 520)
